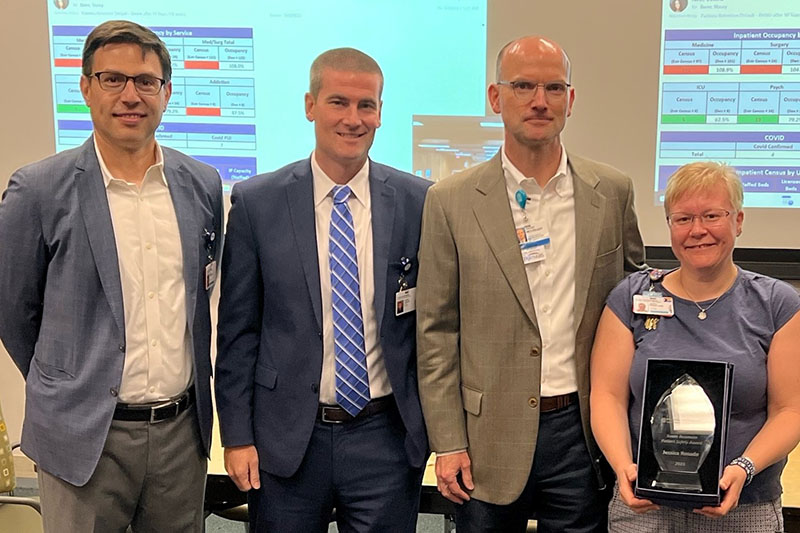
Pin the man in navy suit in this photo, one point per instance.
(316, 370)
(108, 257)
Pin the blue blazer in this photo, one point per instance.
(61, 317)
(269, 334)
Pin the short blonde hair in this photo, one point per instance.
(702, 176)
(342, 60)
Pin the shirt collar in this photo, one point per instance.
(323, 185)
(158, 166)
(561, 181)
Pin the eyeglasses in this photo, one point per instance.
(115, 82)
(526, 90)
(709, 219)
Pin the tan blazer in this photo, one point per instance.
(479, 348)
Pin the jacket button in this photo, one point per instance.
(534, 352)
(533, 402)
(314, 388)
(121, 347)
(113, 392)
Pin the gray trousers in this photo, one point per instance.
(150, 477)
(766, 517)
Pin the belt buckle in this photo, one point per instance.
(163, 407)
(325, 418)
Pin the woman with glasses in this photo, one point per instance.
(719, 313)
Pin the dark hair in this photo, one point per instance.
(124, 31)
(343, 60)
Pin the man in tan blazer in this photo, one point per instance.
(516, 259)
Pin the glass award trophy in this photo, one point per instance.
(682, 425)
(683, 429)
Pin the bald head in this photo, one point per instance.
(532, 46)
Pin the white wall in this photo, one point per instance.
(26, 112)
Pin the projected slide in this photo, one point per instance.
(730, 91)
(240, 70)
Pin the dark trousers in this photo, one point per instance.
(562, 488)
(359, 468)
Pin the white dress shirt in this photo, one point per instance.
(359, 203)
(158, 362)
(552, 280)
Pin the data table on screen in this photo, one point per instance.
(732, 95)
(246, 62)
(190, 48)
(191, 96)
(730, 103)
(206, 90)
(731, 52)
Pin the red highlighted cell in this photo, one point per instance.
(203, 111)
(67, 62)
(214, 65)
(685, 69)
(761, 69)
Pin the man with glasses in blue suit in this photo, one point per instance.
(108, 258)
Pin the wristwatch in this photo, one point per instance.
(747, 465)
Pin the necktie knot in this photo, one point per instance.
(341, 193)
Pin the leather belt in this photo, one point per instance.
(552, 403)
(154, 412)
(333, 414)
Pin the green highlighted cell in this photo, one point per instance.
(683, 119)
(72, 108)
(759, 119)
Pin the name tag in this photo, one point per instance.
(533, 238)
(645, 304)
(211, 274)
(405, 301)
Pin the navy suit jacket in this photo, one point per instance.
(269, 334)
(61, 317)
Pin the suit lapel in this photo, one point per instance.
(589, 206)
(494, 216)
(99, 229)
(184, 200)
(300, 199)
(382, 197)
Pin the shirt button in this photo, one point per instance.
(533, 402)
(152, 389)
(151, 295)
(148, 246)
(548, 273)
(546, 308)
(153, 342)
(113, 392)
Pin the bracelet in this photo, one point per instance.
(747, 465)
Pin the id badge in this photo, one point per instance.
(644, 304)
(532, 239)
(405, 301)
(211, 274)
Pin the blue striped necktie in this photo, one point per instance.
(352, 381)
